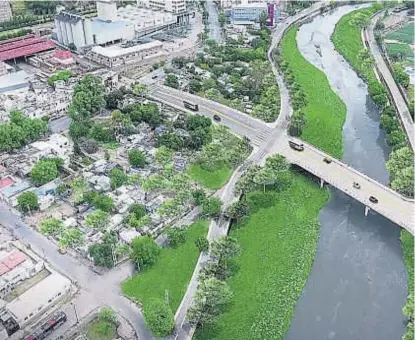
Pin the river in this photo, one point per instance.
(358, 283)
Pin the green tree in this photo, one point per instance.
(28, 201)
(102, 253)
(172, 81)
(396, 140)
(238, 210)
(195, 86)
(145, 251)
(118, 178)
(159, 318)
(97, 219)
(71, 237)
(202, 243)
(211, 297)
(211, 207)
(225, 247)
(51, 227)
(103, 202)
(137, 158)
(176, 236)
(404, 182)
(163, 155)
(138, 210)
(399, 159)
(44, 171)
(199, 196)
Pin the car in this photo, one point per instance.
(373, 199)
(62, 251)
(154, 77)
(356, 185)
(217, 118)
(295, 146)
(327, 160)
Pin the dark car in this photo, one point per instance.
(327, 160)
(295, 146)
(154, 77)
(217, 118)
(373, 199)
(356, 185)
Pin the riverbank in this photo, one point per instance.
(324, 110)
(278, 242)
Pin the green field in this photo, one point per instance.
(348, 42)
(399, 50)
(325, 111)
(101, 330)
(170, 274)
(405, 34)
(210, 179)
(278, 243)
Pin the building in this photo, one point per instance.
(173, 6)
(116, 57)
(37, 299)
(24, 46)
(5, 11)
(249, 13)
(14, 81)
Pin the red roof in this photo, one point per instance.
(14, 259)
(3, 269)
(7, 41)
(61, 54)
(5, 182)
(25, 47)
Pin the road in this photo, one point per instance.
(398, 99)
(215, 31)
(95, 290)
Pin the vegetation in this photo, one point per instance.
(118, 177)
(404, 34)
(97, 219)
(282, 228)
(408, 253)
(137, 158)
(159, 318)
(176, 236)
(15, 33)
(51, 227)
(103, 327)
(20, 131)
(46, 170)
(399, 52)
(145, 252)
(311, 93)
(62, 75)
(103, 253)
(28, 201)
(215, 179)
(99, 201)
(211, 207)
(153, 282)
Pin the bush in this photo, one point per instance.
(145, 252)
(28, 201)
(202, 243)
(159, 318)
(44, 171)
(137, 158)
(176, 236)
(211, 207)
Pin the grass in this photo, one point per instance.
(101, 330)
(348, 42)
(111, 145)
(278, 243)
(399, 49)
(210, 179)
(405, 34)
(325, 112)
(171, 273)
(408, 254)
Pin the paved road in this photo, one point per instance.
(95, 290)
(215, 30)
(398, 99)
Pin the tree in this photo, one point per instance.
(176, 236)
(103, 202)
(297, 123)
(137, 158)
(172, 81)
(43, 172)
(404, 181)
(238, 210)
(396, 140)
(138, 210)
(195, 86)
(102, 253)
(202, 243)
(163, 155)
(399, 159)
(145, 251)
(199, 196)
(210, 299)
(97, 219)
(113, 98)
(71, 237)
(388, 123)
(140, 90)
(51, 227)
(225, 247)
(118, 178)
(159, 318)
(78, 129)
(211, 207)
(28, 201)
(246, 182)
(107, 315)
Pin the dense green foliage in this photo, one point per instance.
(408, 253)
(404, 34)
(99, 201)
(282, 229)
(20, 131)
(137, 158)
(15, 33)
(177, 263)
(45, 170)
(399, 51)
(145, 252)
(62, 75)
(159, 318)
(324, 111)
(104, 327)
(210, 179)
(102, 253)
(28, 201)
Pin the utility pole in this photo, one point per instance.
(76, 313)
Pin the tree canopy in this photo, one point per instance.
(159, 318)
(28, 201)
(145, 251)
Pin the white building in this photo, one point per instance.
(173, 6)
(117, 57)
(249, 13)
(38, 298)
(5, 11)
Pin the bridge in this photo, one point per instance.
(270, 140)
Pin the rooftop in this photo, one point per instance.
(5, 182)
(253, 5)
(116, 51)
(13, 81)
(12, 260)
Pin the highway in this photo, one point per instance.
(383, 69)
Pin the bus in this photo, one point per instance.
(190, 106)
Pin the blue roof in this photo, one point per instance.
(15, 188)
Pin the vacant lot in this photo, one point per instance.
(325, 111)
(210, 179)
(171, 274)
(278, 244)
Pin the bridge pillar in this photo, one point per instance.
(367, 210)
(321, 183)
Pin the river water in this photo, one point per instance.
(357, 285)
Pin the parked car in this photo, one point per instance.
(373, 199)
(217, 118)
(356, 185)
(154, 77)
(295, 146)
(327, 160)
